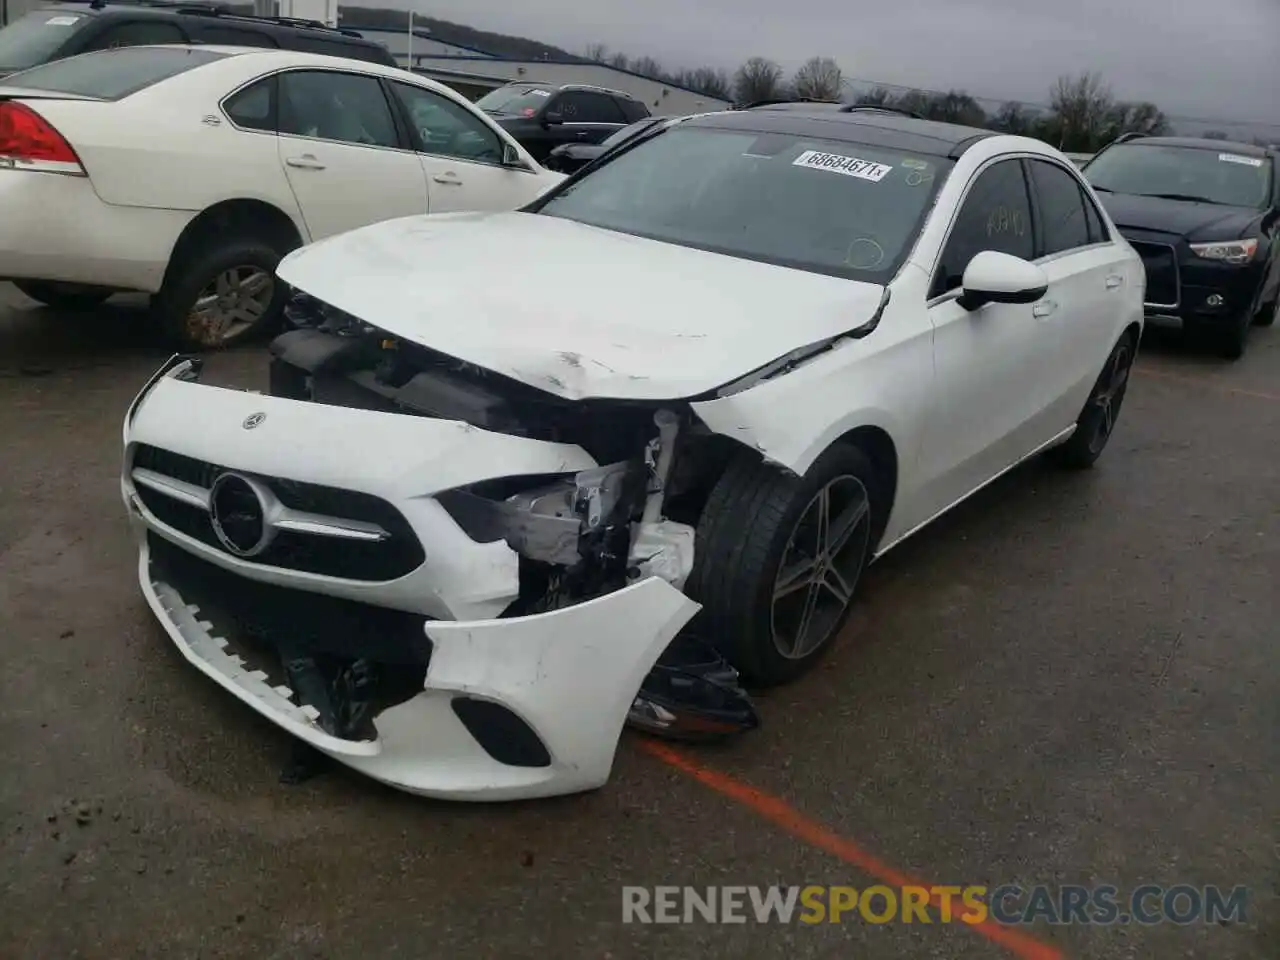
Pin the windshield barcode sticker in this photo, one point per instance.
(849, 166)
(1236, 158)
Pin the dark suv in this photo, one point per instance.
(1205, 217)
(64, 29)
(543, 116)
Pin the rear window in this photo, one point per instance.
(36, 37)
(113, 74)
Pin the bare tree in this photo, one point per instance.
(621, 61)
(649, 67)
(1144, 118)
(597, 52)
(706, 80)
(875, 97)
(956, 106)
(1083, 107)
(820, 78)
(757, 79)
(1014, 118)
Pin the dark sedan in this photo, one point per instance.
(1205, 217)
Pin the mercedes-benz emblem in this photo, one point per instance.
(238, 513)
(253, 419)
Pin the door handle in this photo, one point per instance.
(1043, 308)
(1114, 281)
(449, 179)
(305, 162)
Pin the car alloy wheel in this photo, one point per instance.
(1109, 395)
(820, 567)
(230, 303)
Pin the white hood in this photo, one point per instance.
(575, 310)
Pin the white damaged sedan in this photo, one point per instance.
(522, 476)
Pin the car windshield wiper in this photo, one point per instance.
(1178, 196)
(1099, 189)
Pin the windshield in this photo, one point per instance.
(826, 206)
(36, 37)
(1215, 175)
(520, 101)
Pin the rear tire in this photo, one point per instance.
(1101, 411)
(756, 608)
(64, 296)
(1267, 315)
(223, 293)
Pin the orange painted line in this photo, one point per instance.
(1192, 381)
(783, 815)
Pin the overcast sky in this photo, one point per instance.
(1219, 58)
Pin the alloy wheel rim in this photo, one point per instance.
(229, 304)
(820, 567)
(1110, 395)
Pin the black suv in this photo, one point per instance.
(1205, 217)
(64, 29)
(543, 116)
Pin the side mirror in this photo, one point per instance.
(993, 277)
(552, 118)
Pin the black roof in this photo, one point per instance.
(203, 8)
(1206, 143)
(873, 128)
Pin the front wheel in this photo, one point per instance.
(778, 559)
(1268, 313)
(221, 295)
(1098, 418)
(64, 296)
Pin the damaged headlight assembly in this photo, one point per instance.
(584, 534)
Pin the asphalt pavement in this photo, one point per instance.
(1071, 679)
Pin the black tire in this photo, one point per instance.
(174, 306)
(64, 296)
(744, 534)
(1267, 314)
(1234, 337)
(1097, 421)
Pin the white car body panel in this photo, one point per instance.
(680, 338)
(962, 396)
(171, 148)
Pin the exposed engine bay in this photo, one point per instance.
(578, 535)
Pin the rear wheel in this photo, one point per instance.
(1098, 418)
(779, 558)
(64, 296)
(221, 294)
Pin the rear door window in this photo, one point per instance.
(113, 74)
(137, 33)
(578, 106)
(338, 106)
(37, 37)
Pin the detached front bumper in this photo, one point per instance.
(502, 708)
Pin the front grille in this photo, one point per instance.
(388, 559)
(296, 622)
(1161, 263)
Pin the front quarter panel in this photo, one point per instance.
(883, 380)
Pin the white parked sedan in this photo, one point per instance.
(472, 516)
(188, 172)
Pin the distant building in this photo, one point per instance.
(396, 40)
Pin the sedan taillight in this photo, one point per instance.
(30, 142)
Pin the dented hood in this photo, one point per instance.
(576, 310)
